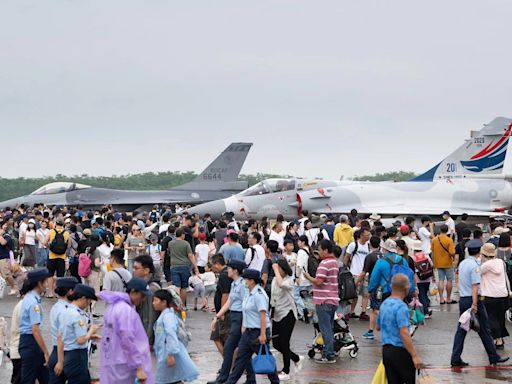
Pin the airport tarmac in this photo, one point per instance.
(433, 342)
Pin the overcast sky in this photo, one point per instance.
(322, 88)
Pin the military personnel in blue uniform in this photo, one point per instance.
(257, 326)
(64, 287)
(469, 290)
(32, 348)
(234, 305)
(75, 332)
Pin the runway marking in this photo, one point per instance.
(429, 369)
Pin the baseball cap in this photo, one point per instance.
(139, 285)
(404, 229)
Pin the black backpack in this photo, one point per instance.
(312, 264)
(59, 245)
(346, 285)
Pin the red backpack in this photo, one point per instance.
(423, 268)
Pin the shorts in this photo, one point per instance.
(374, 302)
(446, 274)
(209, 290)
(56, 265)
(221, 331)
(199, 291)
(362, 288)
(5, 268)
(180, 276)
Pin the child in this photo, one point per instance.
(197, 284)
(153, 250)
(173, 364)
(210, 285)
(202, 250)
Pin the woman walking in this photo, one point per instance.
(495, 290)
(135, 245)
(284, 315)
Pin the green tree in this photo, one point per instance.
(387, 176)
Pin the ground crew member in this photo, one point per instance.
(256, 323)
(234, 306)
(64, 288)
(75, 332)
(32, 348)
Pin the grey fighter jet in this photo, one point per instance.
(217, 181)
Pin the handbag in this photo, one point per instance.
(264, 364)
(380, 375)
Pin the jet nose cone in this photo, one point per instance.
(214, 208)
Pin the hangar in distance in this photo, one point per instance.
(474, 179)
(218, 180)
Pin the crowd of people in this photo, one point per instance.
(258, 278)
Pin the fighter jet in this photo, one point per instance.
(217, 181)
(268, 198)
(475, 179)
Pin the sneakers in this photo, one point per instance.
(283, 376)
(369, 335)
(364, 317)
(354, 316)
(298, 364)
(325, 360)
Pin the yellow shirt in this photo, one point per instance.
(52, 236)
(343, 235)
(443, 249)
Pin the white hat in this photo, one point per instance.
(390, 246)
(498, 231)
(417, 245)
(33, 221)
(375, 216)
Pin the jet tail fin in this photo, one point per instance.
(483, 155)
(223, 172)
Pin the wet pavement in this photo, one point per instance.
(433, 342)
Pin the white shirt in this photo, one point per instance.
(277, 237)
(154, 252)
(257, 260)
(292, 261)
(302, 263)
(41, 234)
(451, 226)
(163, 228)
(105, 250)
(426, 242)
(202, 254)
(312, 235)
(357, 259)
(208, 278)
(301, 226)
(30, 237)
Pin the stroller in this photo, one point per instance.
(343, 340)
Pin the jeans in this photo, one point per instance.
(130, 265)
(42, 256)
(423, 289)
(485, 333)
(325, 313)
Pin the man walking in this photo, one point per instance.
(443, 252)
(469, 287)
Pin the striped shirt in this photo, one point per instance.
(327, 292)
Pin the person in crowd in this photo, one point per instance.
(173, 363)
(325, 297)
(42, 251)
(343, 234)
(255, 255)
(233, 307)
(290, 255)
(461, 226)
(469, 289)
(210, 286)
(424, 269)
(369, 264)
(118, 277)
(104, 249)
(28, 239)
(72, 254)
(302, 284)
(124, 349)
(220, 332)
(292, 235)
(64, 287)
(504, 247)
(32, 347)
(463, 237)
(495, 288)
(201, 251)
(74, 334)
(276, 235)
(398, 352)
(14, 354)
(97, 263)
(57, 240)
(426, 234)
(284, 315)
(135, 245)
(232, 250)
(354, 259)
(443, 252)
(267, 273)
(450, 223)
(256, 325)
(144, 269)
(220, 234)
(6, 247)
(197, 284)
(154, 250)
(182, 260)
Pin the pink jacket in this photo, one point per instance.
(494, 281)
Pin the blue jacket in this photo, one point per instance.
(381, 274)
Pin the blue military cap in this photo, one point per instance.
(85, 290)
(474, 244)
(37, 275)
(139, 285)
(237, 264)
(67, 282)
(252, 274)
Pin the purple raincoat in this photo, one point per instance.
(124, 343)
